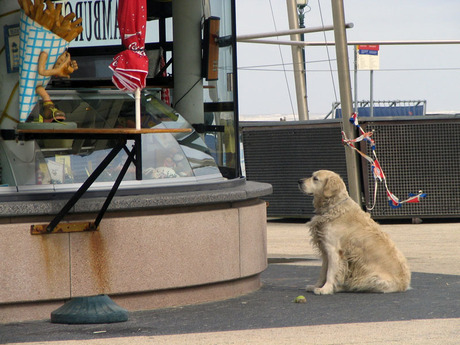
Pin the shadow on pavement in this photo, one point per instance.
(433, 296)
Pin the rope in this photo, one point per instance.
(376, 168)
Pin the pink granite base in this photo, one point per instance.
(142, 259)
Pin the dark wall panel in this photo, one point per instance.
(282, 154)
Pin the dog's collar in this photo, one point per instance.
(330, 208)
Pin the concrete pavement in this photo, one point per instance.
(429, 247)
(428, 314)
(416, 332)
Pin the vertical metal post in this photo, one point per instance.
(299, 67)
(371, 93)
(137, 149)
(301, 15)
(338, 14)
(356, 77)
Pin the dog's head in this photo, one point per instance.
(323, 184)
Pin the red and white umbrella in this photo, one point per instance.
(130, 67)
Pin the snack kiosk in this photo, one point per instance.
(137, 198)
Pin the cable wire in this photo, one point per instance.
(282, 61)
(185, 94)
(255, 67)
(440, 69)
(327, 51)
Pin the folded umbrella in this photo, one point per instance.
(130, 67)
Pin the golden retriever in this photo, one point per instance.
(356, 254)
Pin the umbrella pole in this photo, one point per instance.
(137, 98)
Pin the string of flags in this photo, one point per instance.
(376, 168)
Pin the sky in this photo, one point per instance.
(416, 72)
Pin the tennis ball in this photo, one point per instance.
(300, 299)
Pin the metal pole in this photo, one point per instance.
(351, 43)
(299, 71)
(371, 93)
(287, 32)
(345, 96)
(356, 77)
(301, 14)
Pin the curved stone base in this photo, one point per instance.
(18, 312)
(189, 296)
(143, 259)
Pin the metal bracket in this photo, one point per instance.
(41, 229)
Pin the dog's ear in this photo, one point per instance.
(332, 186)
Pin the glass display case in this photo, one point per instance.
(167, 158)
(210, 152)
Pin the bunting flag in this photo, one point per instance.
(376, 168)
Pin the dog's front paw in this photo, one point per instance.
(311, 288)
(325, 290)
